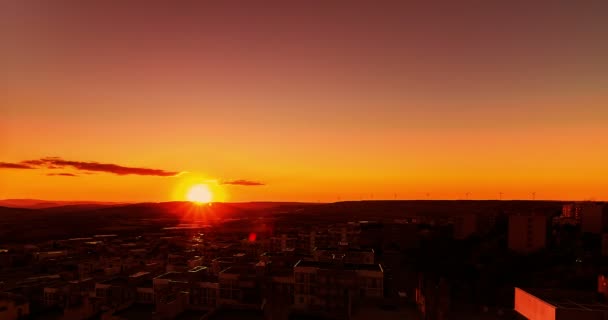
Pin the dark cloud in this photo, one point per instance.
(8, 165)
(59, 163)
(34, 163)
(244, 183)
(63, 174)
(107, 167)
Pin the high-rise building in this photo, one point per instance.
(465, 226)
(527, 232)
(592, 217)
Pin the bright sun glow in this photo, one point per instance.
(199, 193)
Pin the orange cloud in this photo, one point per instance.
(244, 183)
(8, 165)
(59, 163)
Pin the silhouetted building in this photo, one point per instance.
(346, 254)
(331, 288)
(605, 244)
(239, 287)
(401, 234)
(13, 306)
(592, 217)
(572, 211)
(176, 292)
(282, 243)
(465, 226)
(115, 292)
(344, 232)
(433, 297)
(308, 241)
(527, 232)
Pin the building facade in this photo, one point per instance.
(527, 232)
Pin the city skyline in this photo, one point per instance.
(125, 102)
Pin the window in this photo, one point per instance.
(299, 277)
(299, 288)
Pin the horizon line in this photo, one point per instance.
(300, 201)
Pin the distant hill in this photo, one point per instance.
(63, 219)
(76, 205)
(42, 204)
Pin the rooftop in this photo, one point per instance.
(136, 311)
(334, 265)
(240, 270)
(230, 314)
(198, 269)
(139, 274)
(17, 299)
(349, 249)
(174, 276)
(116, 282)
(81, 239)
(186, 276)
(191, 315)
(568, 299)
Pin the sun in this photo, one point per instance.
(199, 193)
(198, 188)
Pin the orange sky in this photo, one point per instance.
(317, 103)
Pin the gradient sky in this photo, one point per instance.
(320, 100)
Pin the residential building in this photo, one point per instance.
(605, 244)
(239, 287)
(465, 226)
(592, 217)
(345, 253)
(55, 295)
(46, 255)
(433, 297)
(345, 233)
(332, 287)
(571, 211)
(552, 304)
(115, 292)
(527, 232)
(13, 306)
(282, 243)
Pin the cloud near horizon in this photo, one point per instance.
(244, 183)
(59, 163)
(64, 174)
(8, 165)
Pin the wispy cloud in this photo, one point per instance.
(59, 163)
(8, 165)
(63, 174)
(248, 183)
